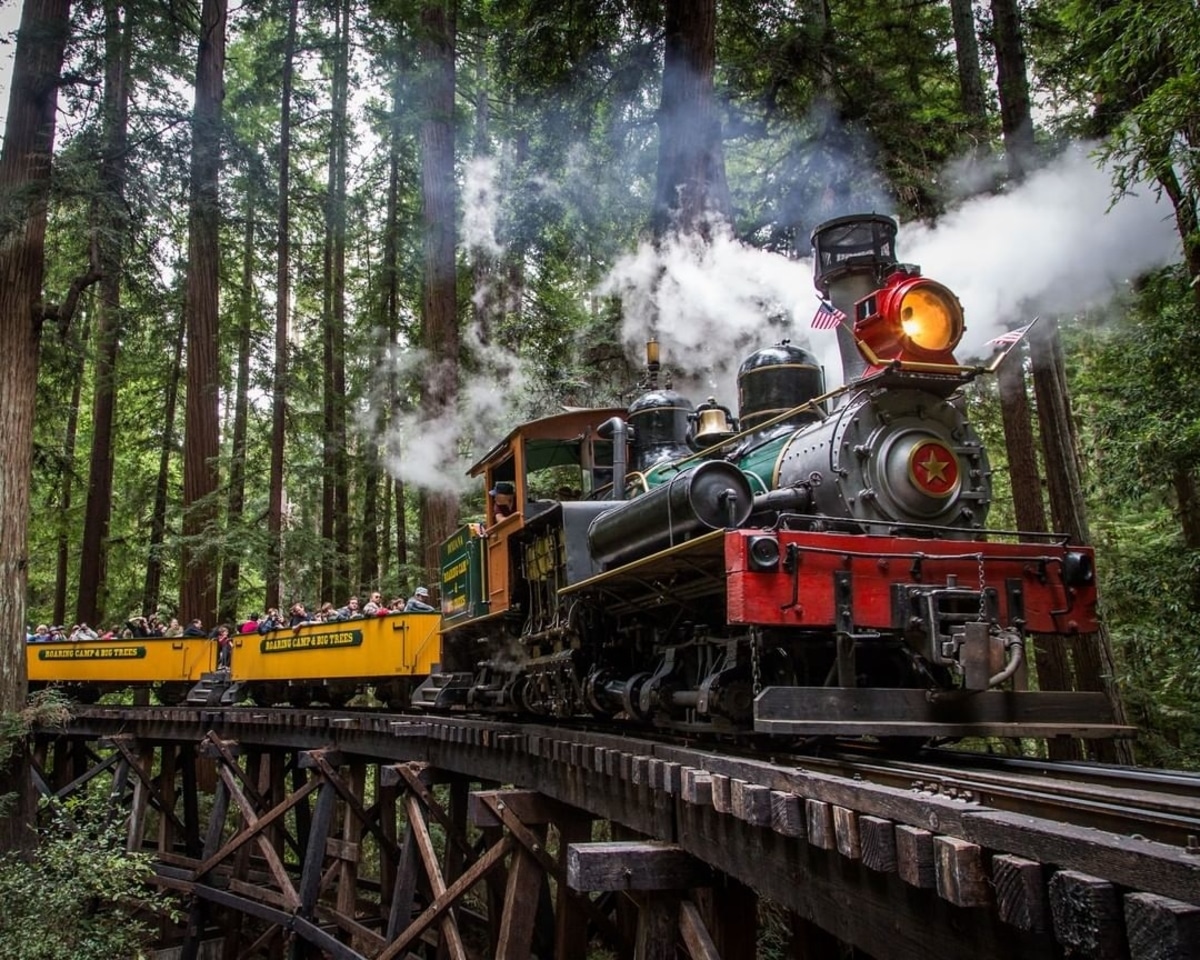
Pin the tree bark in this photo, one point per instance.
(108, 240)
(691, 188)
(201, 444)
(335, 512)
(391, 323)
(24, 190)
(439, 315)
(1050, 653)
(151, 592)
(1095, 667)
(231, 568)
(970, 77)
(68, 477)
(1016, 119)
(282, 297)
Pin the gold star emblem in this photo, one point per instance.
(935, 469)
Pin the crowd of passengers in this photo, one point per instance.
(297, 615)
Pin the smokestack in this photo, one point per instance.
(851, 256)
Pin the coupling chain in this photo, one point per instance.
(755, 660)
(982, 590)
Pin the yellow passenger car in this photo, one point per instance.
(330, 662)
(171, 665)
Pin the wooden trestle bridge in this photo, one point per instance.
(367, 835)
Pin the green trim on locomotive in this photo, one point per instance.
(464, 575)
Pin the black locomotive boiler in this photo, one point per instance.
(818, 564)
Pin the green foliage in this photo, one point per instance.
(1136, 391)
(45, 708)
(80, 896)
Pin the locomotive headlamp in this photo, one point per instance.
(909, 318)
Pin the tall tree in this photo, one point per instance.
(1012, 82)
(282, 306)
(201, 434)
(691, 185)
(152, 589)
(439, 305)
(108, 243)
(235, 507)
(335, 506)
(970, 76)
(391, 306)
(68, 478)
(24, 188)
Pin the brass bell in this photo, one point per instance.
(712, 424)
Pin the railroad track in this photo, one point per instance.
(1158, 805)
(1162, 806)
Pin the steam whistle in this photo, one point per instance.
(652, 363)
(711, 424)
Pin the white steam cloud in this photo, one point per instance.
(1050, 245)
(708, 304)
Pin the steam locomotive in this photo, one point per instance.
(816, 565)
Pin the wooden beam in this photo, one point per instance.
(695, 935)
(314, 848)
(520, 905)
(437, 885)
(570, 917)
(633, 865)
(1021, 898)
(1161, 929)
(528, 806)
(253, 830)
(274, 864)
(658, 926)
(878, 843)
(1087, 916)
(958, 867)
(494, 855)
(914, 855)
(820, 824)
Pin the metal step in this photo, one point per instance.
(214, 689)
(442, 690)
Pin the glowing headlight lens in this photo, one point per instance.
(931, 318)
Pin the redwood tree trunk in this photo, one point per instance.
(691, 186)
(24, 188)
(109, 236)
(231, 568)
(68, 479)
(201, 444)
(335, 529)
(1093, 655)
(282, 294)
(1049, 652)
(439, 316)
(1016, 120)
(970, 77)
(391, 320)
(151, 592)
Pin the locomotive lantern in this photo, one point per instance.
(910, 318)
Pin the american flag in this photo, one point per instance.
(827, 316)
(1007, 339)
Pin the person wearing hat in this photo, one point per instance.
(504, 500)
(419, 602)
